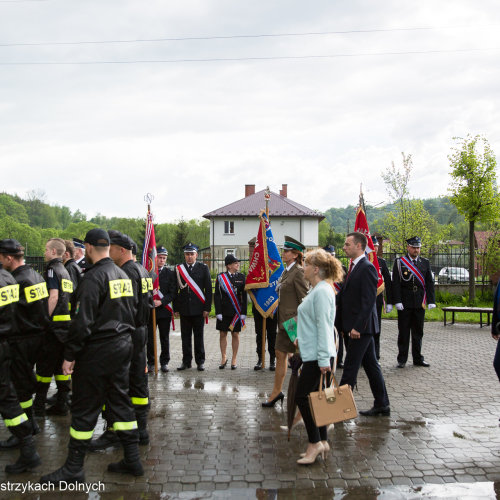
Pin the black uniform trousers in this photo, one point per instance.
(361, 352)
(309, 382)
(192, 326)
(101, 376)
(24, 352)
(164, 329)
(376, 336)
(271, 329)
(49, 362)
(410, 323)
(14, 416)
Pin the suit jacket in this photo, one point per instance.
(407, 290)
(168, 287)
(387, 282)
(186, 302)
(357, 299)
(293, 288)
(222, 302)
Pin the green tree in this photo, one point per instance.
(12, 208)
(474, 188)
(180, 239)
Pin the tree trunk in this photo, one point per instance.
(472, 267)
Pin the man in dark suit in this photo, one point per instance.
(167, 293)
(193, 302)
(359, 321)
(380, 297)
(412, 290)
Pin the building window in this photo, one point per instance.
(229, 227)
(229, 251)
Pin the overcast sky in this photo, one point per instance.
(98, 136)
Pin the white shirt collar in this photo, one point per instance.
(356, 260)
(290, 266)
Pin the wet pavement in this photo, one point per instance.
(210, 438)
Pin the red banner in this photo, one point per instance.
(258, 270)
(361, 226)
(149, 253)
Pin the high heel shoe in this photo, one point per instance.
(233, 367)
(310, 458)
(326, 448)
(270, 404)
(223, 365)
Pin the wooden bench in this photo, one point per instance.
(480, 310)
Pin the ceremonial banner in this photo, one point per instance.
(264, 271)
(149, 253)
(361, 226)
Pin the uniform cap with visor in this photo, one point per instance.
(11, 247)
(161, 251)
(415, 241)
(190, 247)
(97, 238)
(293, 244)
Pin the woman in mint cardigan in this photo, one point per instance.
(316, 341)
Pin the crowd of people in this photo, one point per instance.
(87, 323)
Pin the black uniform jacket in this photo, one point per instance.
(168, 287)
(104, 307)
(387, 282)
(60, 317)
(357, 299)
(32, 315)
(75, 272)
(143, 291)
(9, 296)
(186, 302)
(223, 304)
(407, 290)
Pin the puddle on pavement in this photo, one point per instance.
(459, 491)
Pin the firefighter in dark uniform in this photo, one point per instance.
(74, 270)
(167, 292)
(410, 297)
(225, 311)
(50, 358)
(271, 331)
(121, 253)
(97, 354)
(380, 297)
(32, 322)
(80, 254)
(14, 417)
(193, 302)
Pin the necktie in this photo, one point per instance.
(351, 265)
(190, 268)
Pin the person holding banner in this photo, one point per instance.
(292, 289)
(412, 290)
(230, 301)
(193, 302)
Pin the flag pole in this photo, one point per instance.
(267, 196)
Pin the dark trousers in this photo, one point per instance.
(14, 416)
(192, 326)
(410, 322)
(376, 336)
(271, 329)
(101, 376)
(309, 382)
(361, 352)
(164, 329)
(496, 360)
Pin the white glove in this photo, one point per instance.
(219, 317)
(243, 317)
(388, 308)
(431, 306)
(399, 306)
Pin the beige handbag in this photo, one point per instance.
(334, 404)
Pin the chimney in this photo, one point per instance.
(283, 190)
(249, 189)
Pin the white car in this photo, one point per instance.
(453, 275)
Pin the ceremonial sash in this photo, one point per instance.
(191, 283)
(168, 307)
(337, 287)
(416, 272)
(226, 285)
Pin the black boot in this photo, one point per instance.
(72, 470)
(258, 365)
(12, 442)
(61, 406)
(105, 440)
(142, 421)
(272, 363)
(34, 426)
(131, 463)
(39, 405)
(28, 459)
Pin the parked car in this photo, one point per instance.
(453, 275)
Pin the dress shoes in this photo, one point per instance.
(201, 367)
(183, 367)
(272, 365)
(258, 365)
(384, 411)
(233, 367)
(164, 368)
(401, 365)
(422, 363)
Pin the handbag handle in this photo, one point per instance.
(333, 384)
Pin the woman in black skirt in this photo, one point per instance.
(230, 301)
